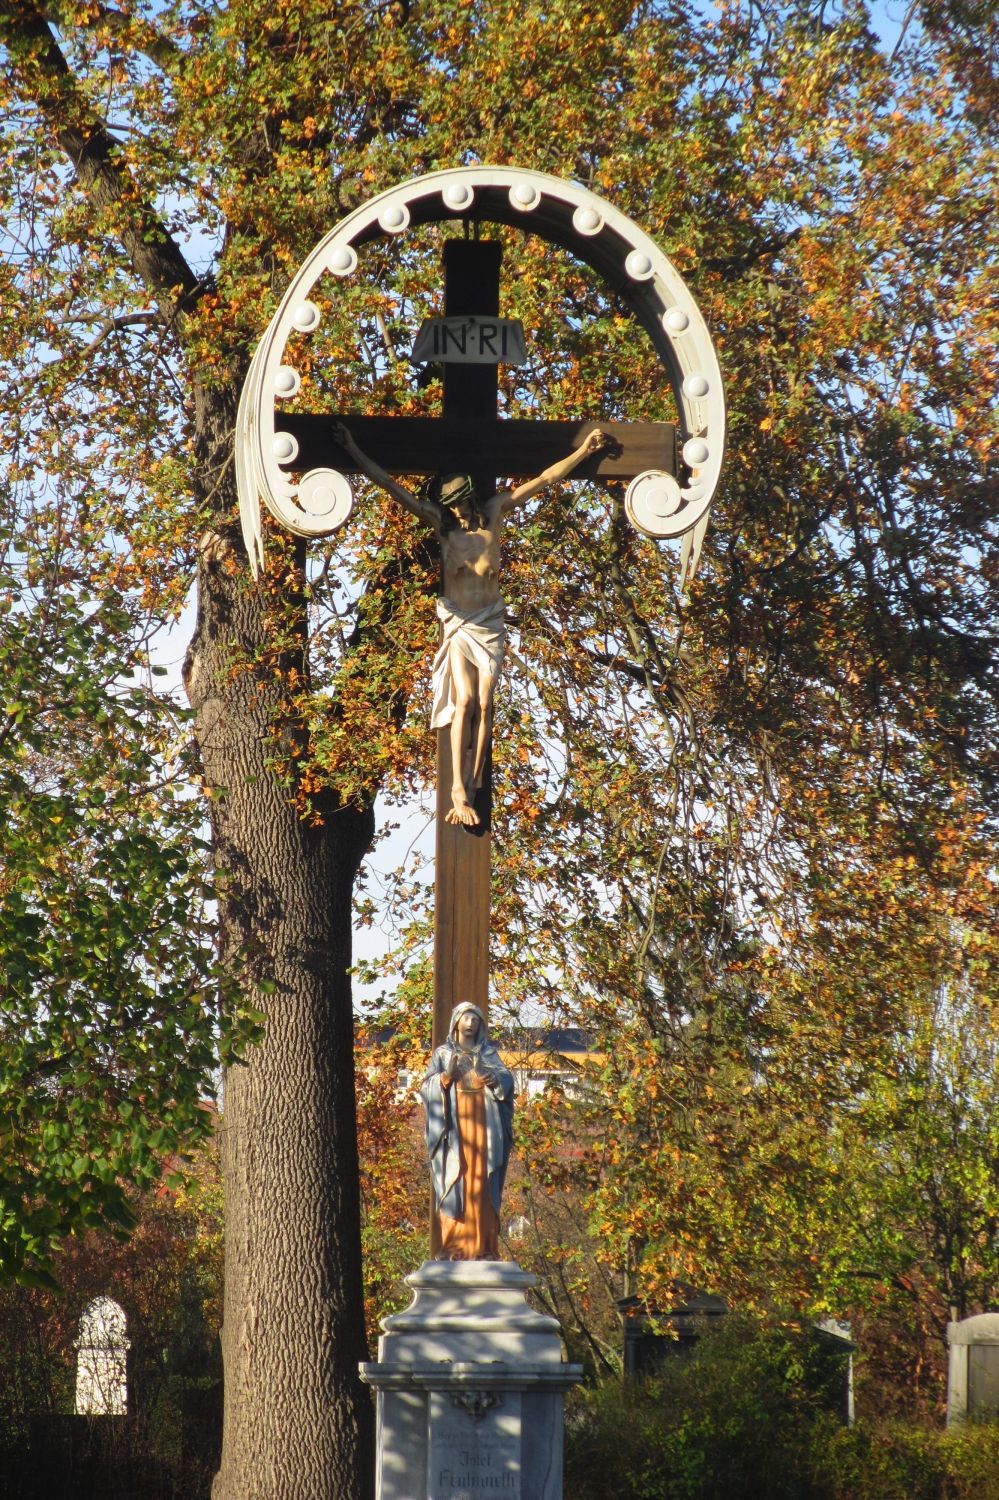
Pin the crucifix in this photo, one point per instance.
(469, 439)
(293, 462)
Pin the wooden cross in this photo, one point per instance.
(469, 438)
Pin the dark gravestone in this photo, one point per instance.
(655, 1336)
(829, 1368)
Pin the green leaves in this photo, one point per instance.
(110, 992)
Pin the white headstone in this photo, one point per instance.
(973, 1380)
(101, 1360)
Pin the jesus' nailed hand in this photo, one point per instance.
(469, 528)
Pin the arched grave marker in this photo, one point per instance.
(102, 1360)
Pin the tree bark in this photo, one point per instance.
(298, 1423)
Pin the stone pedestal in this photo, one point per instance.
(470, 1381)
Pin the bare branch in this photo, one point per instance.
(134, 31)
(113, 325)
(42, 74)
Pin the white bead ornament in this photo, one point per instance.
(639, 265)
(342, 260)
(395, 218)
(306, 317)
(676, 320)
(525, 196)
(458, 195)
(287, 383)
(695, 387)
(587, 221)
(695, 452)
(284, 447)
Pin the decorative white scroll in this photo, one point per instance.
(317, 503)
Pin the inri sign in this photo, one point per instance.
(470, 341)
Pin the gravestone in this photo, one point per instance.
(656, 1337)
(973, 1378)
(101, 1360)
(830, 1372)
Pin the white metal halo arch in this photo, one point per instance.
(561, 212)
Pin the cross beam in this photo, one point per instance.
(507, 449)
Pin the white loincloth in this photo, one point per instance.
(480, 635)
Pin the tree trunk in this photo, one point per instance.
(298, 1423)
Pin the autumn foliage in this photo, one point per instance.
(745, 834)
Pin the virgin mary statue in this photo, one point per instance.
(468, 1097)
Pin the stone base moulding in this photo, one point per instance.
(470, 1381)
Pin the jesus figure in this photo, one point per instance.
(469, 528)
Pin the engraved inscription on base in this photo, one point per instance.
(474, 1451)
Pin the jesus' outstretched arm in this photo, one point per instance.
(594, 442)
(425, 509)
